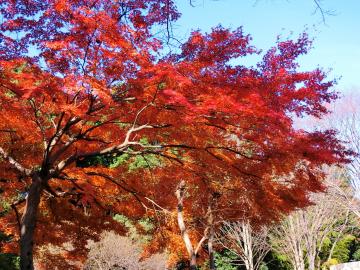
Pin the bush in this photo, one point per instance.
(224, 260)
(9, 261)
(356, 255)
(342, 249)
(329, 263)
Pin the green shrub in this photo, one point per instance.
(356, 255)
(224, 260)
(342, 249)
(9, 261)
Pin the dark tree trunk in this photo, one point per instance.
(28, 223)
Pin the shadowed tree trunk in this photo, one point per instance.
(28, 223)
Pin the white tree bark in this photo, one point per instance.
(301, 235)
(249, 244)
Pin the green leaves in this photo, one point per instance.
(9, 261)
(225, 260)
(9, 94)
(132, 162)
(118, 160)
(342, 248)
(145, 225)
(145, 161)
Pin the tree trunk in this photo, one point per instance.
(211, 240)
(28, 223)
(311, 261)
(249, 265)
(211, 251)
(193, 264)
(299, 264)
(248, 245)
(181, 223)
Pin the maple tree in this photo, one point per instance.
(86, 87)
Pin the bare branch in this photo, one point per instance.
(249, 244)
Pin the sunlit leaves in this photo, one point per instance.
(90, 103)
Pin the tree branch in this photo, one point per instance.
(14, 163)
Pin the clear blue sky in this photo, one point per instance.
(336, 45)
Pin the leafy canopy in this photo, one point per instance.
(87, 80)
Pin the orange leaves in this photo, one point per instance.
(88, 194)
(61, 5)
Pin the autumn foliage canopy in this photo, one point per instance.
(98, 117)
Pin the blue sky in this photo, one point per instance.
(336, 44)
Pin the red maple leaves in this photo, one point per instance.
(83, 80)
